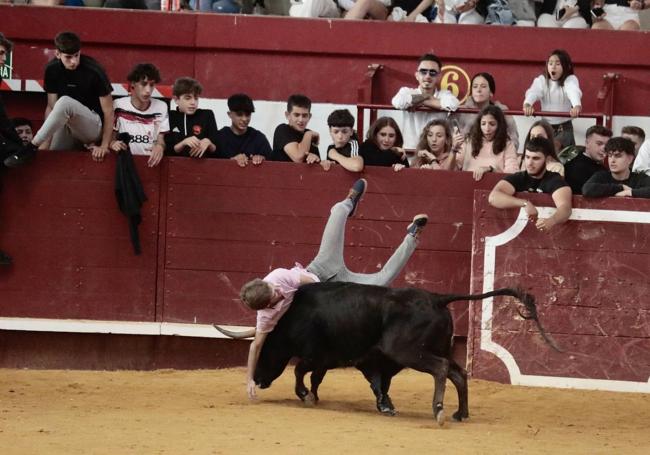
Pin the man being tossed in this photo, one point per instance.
(535, 179)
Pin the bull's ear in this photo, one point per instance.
(235, 335)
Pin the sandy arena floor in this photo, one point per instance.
(207, 412)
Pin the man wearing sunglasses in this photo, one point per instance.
(426, 95)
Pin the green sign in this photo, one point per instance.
(5, 70)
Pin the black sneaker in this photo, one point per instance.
(26, 154)
(355, 194)
(5, 259)
(419, 221)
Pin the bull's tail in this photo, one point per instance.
(236, 335)
(526, 299)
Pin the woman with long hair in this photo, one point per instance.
(383, 145)
(436, 148)
(488, 148)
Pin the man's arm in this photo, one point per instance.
(502, 197)
(253, 356)
(641, 186)
(352, 164)
(298, 151)
(444, 100)
(642, 160)
(562, 199)
(157, 150)
(600, 185)
(99, 152)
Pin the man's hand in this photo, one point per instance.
(625, 192)
(156, 155)
(312, 158)
(98, 152)
(468, 5)
(192, 142)
(528, 110)
(200, 148)
(257, 159)
(241, 158)
(575, 111)
(326, 164)
(116, 146)
(315, 137)
(419, 99)
(545, 224)
(250, 390)
(398, 167)
(531, 211)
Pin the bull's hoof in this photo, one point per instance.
(309, 400)
(385, 410)
(440, 417)
(459, 416)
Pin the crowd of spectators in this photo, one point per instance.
(81, 113)
(580, 14)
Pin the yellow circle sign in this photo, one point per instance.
(456, 80)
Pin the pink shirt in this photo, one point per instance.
(506, 161)
(287, 282)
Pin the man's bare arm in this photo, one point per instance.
(253, 356)
(298, 151)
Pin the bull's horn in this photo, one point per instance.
(236, 335)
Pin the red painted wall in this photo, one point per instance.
(272, 57)
(590, 279)
(208, 227)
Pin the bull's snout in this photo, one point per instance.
(263, 384)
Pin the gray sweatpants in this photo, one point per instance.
(70, 124)
(329, 265)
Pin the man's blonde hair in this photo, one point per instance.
(256, 294)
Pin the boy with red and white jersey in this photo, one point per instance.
(144, 118)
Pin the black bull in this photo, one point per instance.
(378, 330)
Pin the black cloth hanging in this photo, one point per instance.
(129, 192)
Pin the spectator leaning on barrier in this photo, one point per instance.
(619, 181)
(239, 141)
(10, 142)
(79, 108)
(24, 129)
(488, 147)
(635, 134)
(314, 8)
(292, 141)
(427, 94)
(344, 149)
(383, 145)
(192, 131)
(436, 149)
(144, 118)
(535, 179)
(557, 90)
(585, 164)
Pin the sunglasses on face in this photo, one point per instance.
(424, 72)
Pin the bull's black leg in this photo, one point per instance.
(302, 368)
(436, 366)
(379, 384)
(458, 377)
(316, 378)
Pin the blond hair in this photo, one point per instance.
(256, 294)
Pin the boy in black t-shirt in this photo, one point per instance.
(619, 181)
(239, 141)
(79, 108)
(535, 179)
(292, 141)
(192, 131)
(345, 149)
